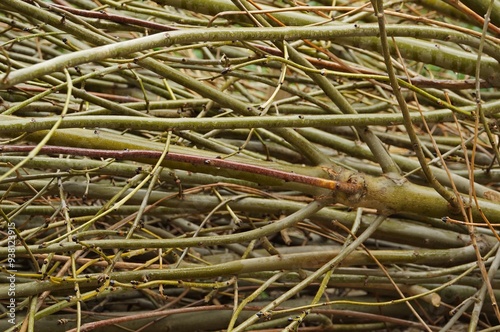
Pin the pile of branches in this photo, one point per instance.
(241, 165)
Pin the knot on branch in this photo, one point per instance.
(355, 188)
(350, 187)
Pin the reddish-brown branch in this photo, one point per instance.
(421, 82)
(345, 187)
(115, 18)
(143, 315)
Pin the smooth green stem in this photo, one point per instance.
(322, 261)
(14, 125)
(417, 147)
(126, 48)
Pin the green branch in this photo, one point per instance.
(15, 125)
(460, 61)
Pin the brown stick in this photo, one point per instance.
(345, 187)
